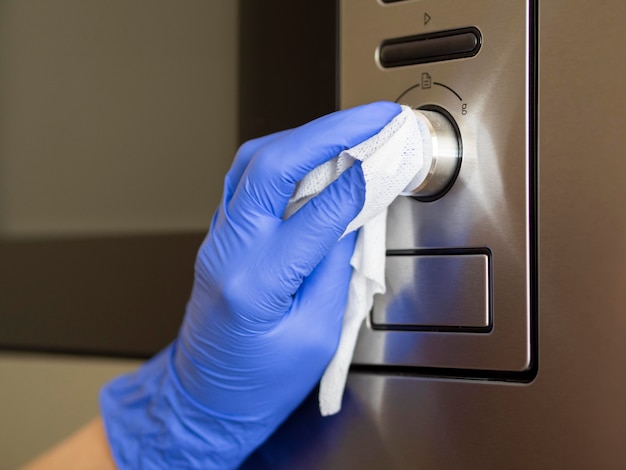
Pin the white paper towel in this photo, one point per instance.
(390, 160)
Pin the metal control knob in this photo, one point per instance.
(441, 153)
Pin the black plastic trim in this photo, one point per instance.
(525, 376)
(117, 296)
(287, 64)
(534, 187)
(411, 50)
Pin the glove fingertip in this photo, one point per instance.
(385, 107)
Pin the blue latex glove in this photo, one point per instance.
(265, 313)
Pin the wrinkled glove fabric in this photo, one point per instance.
(265, 314)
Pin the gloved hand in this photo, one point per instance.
(265, 313)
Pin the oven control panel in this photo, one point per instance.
(461, 258)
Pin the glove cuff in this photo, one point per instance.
(151, 422)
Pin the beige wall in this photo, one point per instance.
(115, 117)
(45, 398)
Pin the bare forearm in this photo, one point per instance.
(87, 449)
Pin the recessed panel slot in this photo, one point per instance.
(435, 292)
(431, 47)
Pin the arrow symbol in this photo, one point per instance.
(426, 18)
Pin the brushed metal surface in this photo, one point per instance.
(434, 291)
(488, 205)
(573, 415)
(440, 170)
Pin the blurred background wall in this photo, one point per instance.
(116, 118)
(114, 114)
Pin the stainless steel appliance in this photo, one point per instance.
(502, 340)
